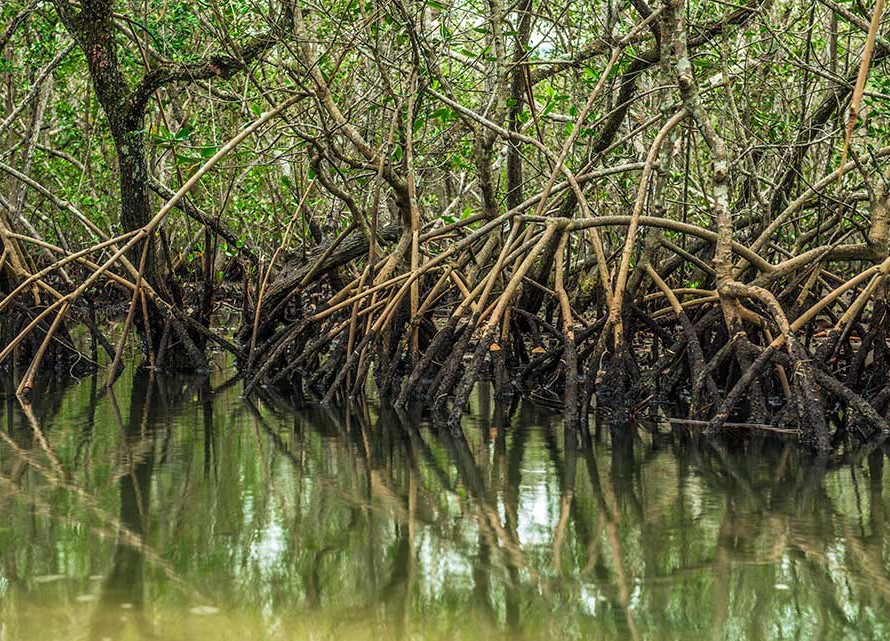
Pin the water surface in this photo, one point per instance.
(174, 509)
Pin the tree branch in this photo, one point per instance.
(218, 65)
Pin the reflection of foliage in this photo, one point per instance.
(319, 523)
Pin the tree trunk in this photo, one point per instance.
(93, 28)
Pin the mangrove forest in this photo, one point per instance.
(452, 319)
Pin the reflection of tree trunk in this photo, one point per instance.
(567, 490)
(820, 580)
(873, 544)
(312, 581)
(685, 527)
(623, 468)
(396, 593)
(472, 479)
(760, 614)
(86, 432)
(479, 599)
(124, 583)
(720, 573)
(611, 515)
(876, 496)
(511, 509)
(207, 414)
(810, 484)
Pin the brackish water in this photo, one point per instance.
(174, 509)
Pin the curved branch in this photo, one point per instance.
(218, 65)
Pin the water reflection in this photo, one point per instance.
(173, 509)
(123, 586)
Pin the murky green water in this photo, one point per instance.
(173, 509)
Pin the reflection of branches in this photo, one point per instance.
(112, 526)
(761, 525)
(125, 531)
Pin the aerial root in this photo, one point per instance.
(471, 323)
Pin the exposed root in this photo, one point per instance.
(601, 285)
